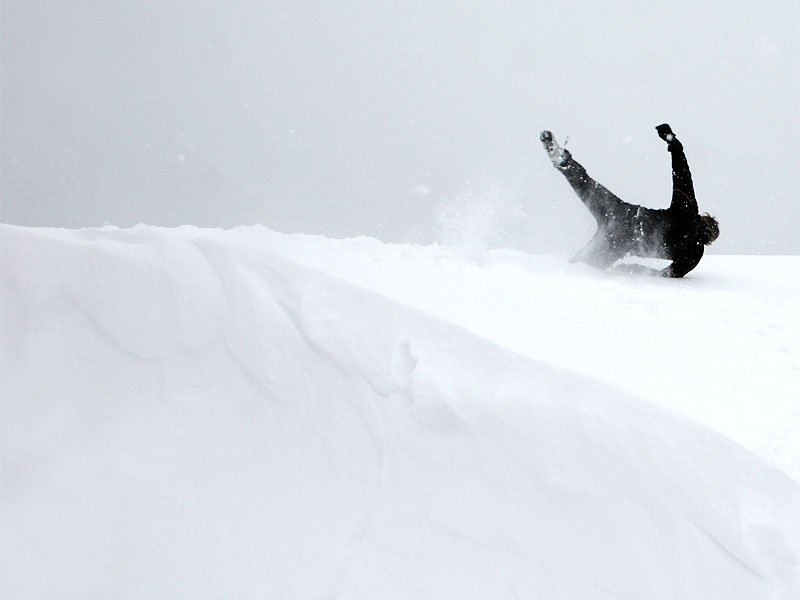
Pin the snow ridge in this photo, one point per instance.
(188, 414)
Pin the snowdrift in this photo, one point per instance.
(196, 413)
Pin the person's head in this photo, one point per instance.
(710, 228)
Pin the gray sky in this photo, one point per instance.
(399, 120)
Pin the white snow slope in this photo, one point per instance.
(193, 413)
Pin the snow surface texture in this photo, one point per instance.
(196, 413)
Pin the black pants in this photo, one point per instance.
(616, 220)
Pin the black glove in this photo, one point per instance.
(665, 130)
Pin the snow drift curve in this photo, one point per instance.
(183, 417)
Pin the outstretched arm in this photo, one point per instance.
(682, 187)
(685, 263)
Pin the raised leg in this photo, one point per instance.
(683, 198)
(605, 207)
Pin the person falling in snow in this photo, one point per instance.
(677, 233)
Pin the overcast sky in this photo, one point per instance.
(405, 121)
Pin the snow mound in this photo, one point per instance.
(195, 413)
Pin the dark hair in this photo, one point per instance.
(710, 228)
